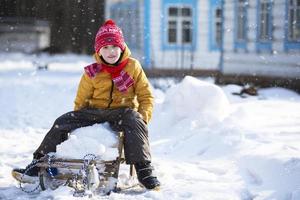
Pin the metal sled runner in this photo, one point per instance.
(89, 175)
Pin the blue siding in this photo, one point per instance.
(288, 45)
(165, 5)
(264, 45)
(214, 4)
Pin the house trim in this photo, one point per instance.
(165, 4)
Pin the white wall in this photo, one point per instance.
(279, 62)
(276, 63)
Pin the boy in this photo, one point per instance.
(115, 90)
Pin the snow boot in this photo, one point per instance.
(27, 175)
(145, 176)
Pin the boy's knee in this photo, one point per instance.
(131, 115)
(63, 119)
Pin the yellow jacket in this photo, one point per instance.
(100, 91)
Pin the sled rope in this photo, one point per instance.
(83, 171)
(49, 166)
(32, 164)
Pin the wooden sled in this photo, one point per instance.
(87, 176)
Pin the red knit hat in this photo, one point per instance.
(109, 34)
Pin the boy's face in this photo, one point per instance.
(110, 53)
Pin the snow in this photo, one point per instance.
(98, 140)
(198, 97)
(206, 143)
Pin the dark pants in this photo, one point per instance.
(136, 143)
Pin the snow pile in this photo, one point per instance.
(186, 119)
(97, 139)
(197, 99)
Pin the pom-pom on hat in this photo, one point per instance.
(109, 34)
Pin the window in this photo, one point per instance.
(264, 26)
(179, 25)
(218, 27)
(292, 25)
(294, 21)
(240, 32)
(215, 25)
(186, 32)
(264, 21)
(172, 32)
(241, 20)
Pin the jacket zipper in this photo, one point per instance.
(110, 95)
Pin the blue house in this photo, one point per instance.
(259, 37)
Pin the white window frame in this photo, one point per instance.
(176, 23)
